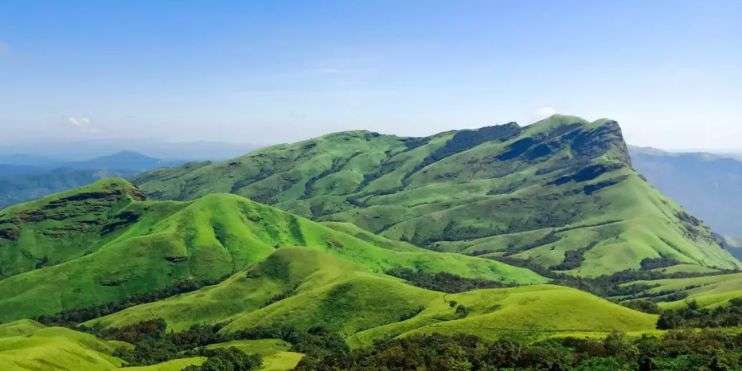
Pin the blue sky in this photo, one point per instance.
(274, 71)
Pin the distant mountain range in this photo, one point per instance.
(709, 185)
(59, 166)
(46, 152)
(24, 177)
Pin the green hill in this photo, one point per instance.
(560, 193)
(115, 247)
(707, 291)
(28, 345)
(303, 288)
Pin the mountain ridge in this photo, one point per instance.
(498, 191)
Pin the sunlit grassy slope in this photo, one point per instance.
(305, 288)
(131, 247)
(28, 345)
(707, 291)
(275, 353)
(171, 365)
(560, 193)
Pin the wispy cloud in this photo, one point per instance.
(82, 123)
(78, 122)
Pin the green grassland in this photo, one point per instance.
(28, 345)
(155, 245)
(275, 352)
(559, 193)
(707, 291)
(363, 306)
(171, 365)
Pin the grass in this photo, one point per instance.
(275, 352)
(707, 291)
(28, 345)
(304, 288)
(560, 188)
(523, 313)
(203, 241)
(171, 365)
(560, 194)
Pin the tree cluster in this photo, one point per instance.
(442, 281)
(153, 344)
(71, 318)
(693, 316)
(227, 359)
(677, 350)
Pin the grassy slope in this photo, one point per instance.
(707, 291)
(64, 226)
(538, 192)
(318, 289)
(204, 240)
(526, 313)
(171, 365)
(275, 353)
(27, 345)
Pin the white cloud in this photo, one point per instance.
(544, 112)
(79, 122)
(82, 124)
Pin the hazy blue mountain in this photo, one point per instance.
(53, 153)
(122, 161)
(709, 185)
(31, 177)
(28, 161)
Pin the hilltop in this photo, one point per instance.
(560, 194)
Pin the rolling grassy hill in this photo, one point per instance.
(103, 244)
(560, 193)
(28, 345)
(303, 288)
(707, 291)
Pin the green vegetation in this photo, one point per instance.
(559, 193)
(686, 350)
(29, 345)
(137, 249)
(692, 316)
(705, 291)
(301, 288)
(275, 353)
(551, 220)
